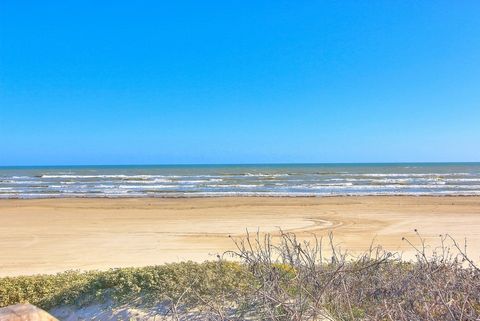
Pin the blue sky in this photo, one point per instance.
(153, 82)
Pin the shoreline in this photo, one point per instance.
(236, 196)
(51, 235)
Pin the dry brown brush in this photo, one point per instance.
(315, 280)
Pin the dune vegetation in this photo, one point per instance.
(282, 278)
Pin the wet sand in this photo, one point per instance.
(53, 235)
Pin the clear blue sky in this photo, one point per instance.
(122, 82)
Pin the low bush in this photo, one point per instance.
(151, 284)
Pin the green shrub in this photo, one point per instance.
(151, 283)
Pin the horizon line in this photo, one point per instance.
(242, 164)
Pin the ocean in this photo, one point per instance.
(241, 180)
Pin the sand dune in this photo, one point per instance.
(51, 235)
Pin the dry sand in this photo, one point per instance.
(52, 235)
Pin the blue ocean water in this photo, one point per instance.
(241, 180)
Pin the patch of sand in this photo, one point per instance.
(52, 235)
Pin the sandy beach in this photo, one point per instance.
(52, 235)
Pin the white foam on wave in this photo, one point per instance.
(121, 176)
(237, 185)
(194, 181)
(265, 175)
(15, 182)
(406, 175)
(320, 186)
(149, 181)
(145, 186)
(462, 179)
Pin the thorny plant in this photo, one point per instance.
(315, 280)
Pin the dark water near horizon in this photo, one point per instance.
(241, 180)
